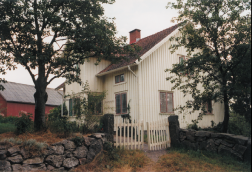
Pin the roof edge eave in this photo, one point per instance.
(115, 70)
(157, 46)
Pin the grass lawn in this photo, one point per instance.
(7, 127)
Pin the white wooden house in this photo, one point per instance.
(142, 83)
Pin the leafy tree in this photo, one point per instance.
(76, 30)
(223, 35)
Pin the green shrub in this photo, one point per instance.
(238, 125)
(61, 125)
(7, 127)
(24, 123)
(9, 119)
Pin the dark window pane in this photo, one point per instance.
(124, 103)
(169, 102)
(163, 102)
(70, 107)
(122, 78)
(99, 108)
(209, 107)
(117, 79)
(118, 104)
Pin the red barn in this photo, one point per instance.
(19, 97)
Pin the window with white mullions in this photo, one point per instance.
(121, 103)
(119, 78)
(166, 102)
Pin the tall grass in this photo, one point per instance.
(179, 159)
(7, 127)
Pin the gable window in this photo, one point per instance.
(119, 78)
(121, 103)
(166, 102)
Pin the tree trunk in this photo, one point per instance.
(40, 97)
(226, 114)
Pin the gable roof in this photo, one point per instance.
(146, 44)
(22, 93)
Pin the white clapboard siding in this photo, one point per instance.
(158, 135)
(153, 80)
(134, 139)
(129, 86)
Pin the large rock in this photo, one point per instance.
(190, 145)
(217, 141)
(203, 145)
(96, 145)
(24, 153)
(87, 141)
(69, 145)
(82, 161)
(13, 150)
(15, 159)
(33, 167)
(35, 161)
(190, 135)
(17, 167)
(4, 145)
(239, 148)
(48, 151)
(91, 154)
(80, 152)
(3, 154)
(229, 151)
(58, 149)
(227, 143)
(70, 162)
(202, 134)
(5, 165)
(55, 160)
(211, 145)
(247, 154)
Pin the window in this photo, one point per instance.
(166, 102)
(209, 109)
(95, 105)
(119, 78)
(121, 103)
(74, 106)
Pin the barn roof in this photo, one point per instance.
(22, 93)
(146, 44)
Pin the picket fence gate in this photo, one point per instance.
(131, 135)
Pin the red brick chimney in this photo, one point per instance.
(135, 35)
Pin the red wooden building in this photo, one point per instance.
(19, 97)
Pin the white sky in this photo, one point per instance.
(150, 16)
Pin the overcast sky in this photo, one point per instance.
(150, 16)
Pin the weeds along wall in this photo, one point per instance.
(221, 143)
(63, 155)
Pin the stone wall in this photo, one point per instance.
(223, 143)
(63, 155)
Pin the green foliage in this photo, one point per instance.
(227, 162)
(78, 31)
(7, 127)
(61, 125)
(238, 125)
(87, 109)
(111, 151)
(9, 119)
(78, 140)
(222, 34)
(24, 123)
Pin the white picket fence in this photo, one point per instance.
(158, 135)
(129, 135)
